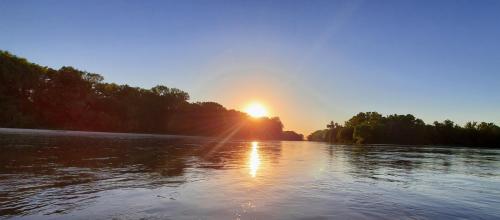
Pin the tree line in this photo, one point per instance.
(373, 128)
(33, 96)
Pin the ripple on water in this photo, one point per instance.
(60, 175)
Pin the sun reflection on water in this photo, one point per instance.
(254, 161)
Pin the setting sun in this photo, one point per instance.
(256, 110)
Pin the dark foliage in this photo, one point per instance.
(373, 128)
(291, 136)
(32, 96)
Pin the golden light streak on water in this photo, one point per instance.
(254, 161)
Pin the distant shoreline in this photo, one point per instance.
(374, 128)
(106, 134)
(409, 145)
(78, 132)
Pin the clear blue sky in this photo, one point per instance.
(309, 61)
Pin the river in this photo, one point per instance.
(87, 175)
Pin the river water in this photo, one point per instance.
(81, 175)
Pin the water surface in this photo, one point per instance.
(79, 175)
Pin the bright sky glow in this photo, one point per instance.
(256, 110)
(311, 61)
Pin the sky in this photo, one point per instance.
(309, 62)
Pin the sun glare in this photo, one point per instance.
(256, 110)
(254, 159)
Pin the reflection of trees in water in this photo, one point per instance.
(271, 151)
(78, 167)
(480, 162)
(70, 171)
(397, 163)
(60, 166)
(235, 153)
(44, 155)
(381, 162)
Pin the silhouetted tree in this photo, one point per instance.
(292, 136)
(373, 128)
(32, 96)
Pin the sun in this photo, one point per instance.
(256, 110)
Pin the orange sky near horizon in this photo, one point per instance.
(307, 62)
(237, 83)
